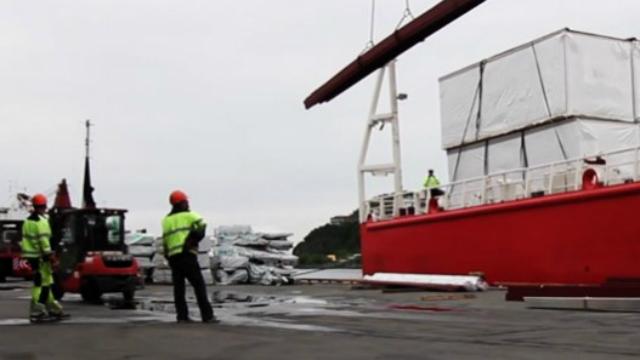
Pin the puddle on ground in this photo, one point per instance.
(232, 308)
(150, 318)
(239, 309)
(10, 288)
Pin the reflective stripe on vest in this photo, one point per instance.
(176, 228)
(35, 238)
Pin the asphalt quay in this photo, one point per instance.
(316, 321)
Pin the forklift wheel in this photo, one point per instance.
(129, 295)
(90, 294)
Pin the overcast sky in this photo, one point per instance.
(206, 96)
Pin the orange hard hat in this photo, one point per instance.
(177, 197)
(39, 200)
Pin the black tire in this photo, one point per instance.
(5, 270)
(149, 276)
(90, 293)
(128, 295)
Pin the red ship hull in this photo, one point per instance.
(582, 237)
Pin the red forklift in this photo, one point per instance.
(90, 254)
(89, 244)
(10, 236)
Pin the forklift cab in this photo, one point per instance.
(92, 253)
(10, 236)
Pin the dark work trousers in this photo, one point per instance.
(435, 192)
(185, 265)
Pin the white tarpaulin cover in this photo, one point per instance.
(566, 73)
(569, 139)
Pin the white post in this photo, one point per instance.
(578, 175)
(635, 164)
(395, 136)
(485, 183)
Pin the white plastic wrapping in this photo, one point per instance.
(468, 163)
(599, 76)
(512, 96)
(241, 255)
(580, 137)
(468, 283)
(551, 143)
(505, 153)
(459, 106)
(563, 74)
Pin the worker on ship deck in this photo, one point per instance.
(36, 249)
(182, 230)
(431, 183)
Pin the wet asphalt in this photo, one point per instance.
(316, 322)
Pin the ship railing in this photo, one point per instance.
(611, 168)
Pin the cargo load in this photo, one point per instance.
(566, 95)
(243, 256)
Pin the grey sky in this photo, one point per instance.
(206, 96)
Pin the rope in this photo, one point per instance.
(544, 91)
(406, 14)
(486, 157)
(372, 22)
(480, 93)
(523, 150)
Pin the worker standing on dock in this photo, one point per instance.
(182, 230)
(36, 249)
(431, 182)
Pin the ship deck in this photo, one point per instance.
(319, 321)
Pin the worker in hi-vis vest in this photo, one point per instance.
(431, 182)
(36, 249)
(182, 230)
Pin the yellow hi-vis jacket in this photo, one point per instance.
(36, 234)
(176, 228)
(431, 182)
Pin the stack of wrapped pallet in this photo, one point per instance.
(563, 96)
(242, 256)
(162, 271)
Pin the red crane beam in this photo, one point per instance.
(391, 47)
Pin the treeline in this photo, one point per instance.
(341, 240)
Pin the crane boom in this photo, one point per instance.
(393, 45)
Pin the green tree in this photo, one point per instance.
(342, 240)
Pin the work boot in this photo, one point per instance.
(211, 320)
(37, 311)
(54, 308)
(55, 311)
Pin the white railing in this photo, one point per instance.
(615, 167)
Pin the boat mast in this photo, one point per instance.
(87, 140)
(87, 189)
(373, 121)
